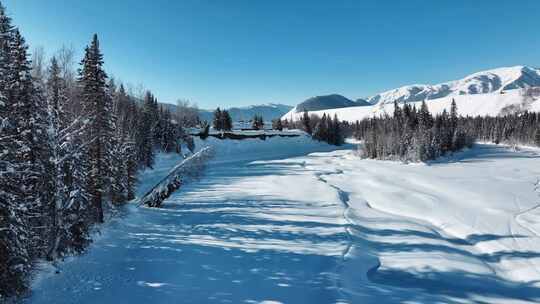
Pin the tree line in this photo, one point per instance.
(513, 129)
(325, 128)
(71, 143)
(222, 120)
(412, 134)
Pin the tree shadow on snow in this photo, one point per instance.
(456, 284)
(462, 285)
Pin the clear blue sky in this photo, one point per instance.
(247, 52)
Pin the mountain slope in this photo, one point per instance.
(483, 93)
(324, 102)
(495, 80)
(476, 104)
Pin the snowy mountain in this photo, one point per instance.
(484, 93)
(476, 104)
(332, 101)
(496, 80)
(268, 111)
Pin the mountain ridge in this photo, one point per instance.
(496, 80)
(268, 111)
(487, 81)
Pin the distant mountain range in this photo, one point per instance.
(328, 102)
(268, 111)
(489, 81)
(495, 81)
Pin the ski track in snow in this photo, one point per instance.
(518, 215)
(270, 223)
(344, 198)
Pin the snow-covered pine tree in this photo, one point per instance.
(97, 109)
(13, 230)
(34, 149)
(226, 120)
(453, 116)
(119, 180)
(69, 211)
(424, 134)
(119, 176)
(306, 124)
(122, 110)
(56, 100)
(217, 121)
(130, 156)
(320, 131)
(337, 134)
(144, 138)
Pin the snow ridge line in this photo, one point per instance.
(344, 199)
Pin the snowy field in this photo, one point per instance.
(289, 220)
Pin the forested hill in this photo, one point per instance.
(71, 140)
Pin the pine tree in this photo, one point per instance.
(257, 122)
(130, 157)
(34, 147)
(217, 121)
(70, 216)
(337, 135)
(226, 121)
(306, 123)
(277, 124)
(97, 108)
(56, 100)
(144, 136)
(453, 116)
(13, 232)
(320, 132)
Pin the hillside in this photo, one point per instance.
(490, 81)
(477, 104)
(483, 93)
(332, 101)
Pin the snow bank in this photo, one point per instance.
(180, 174)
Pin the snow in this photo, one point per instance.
(290, 220)
(481, 93)
(477, 104)
(490, 81)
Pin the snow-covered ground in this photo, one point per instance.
(288, 220)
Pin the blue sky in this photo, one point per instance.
(249, 52)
